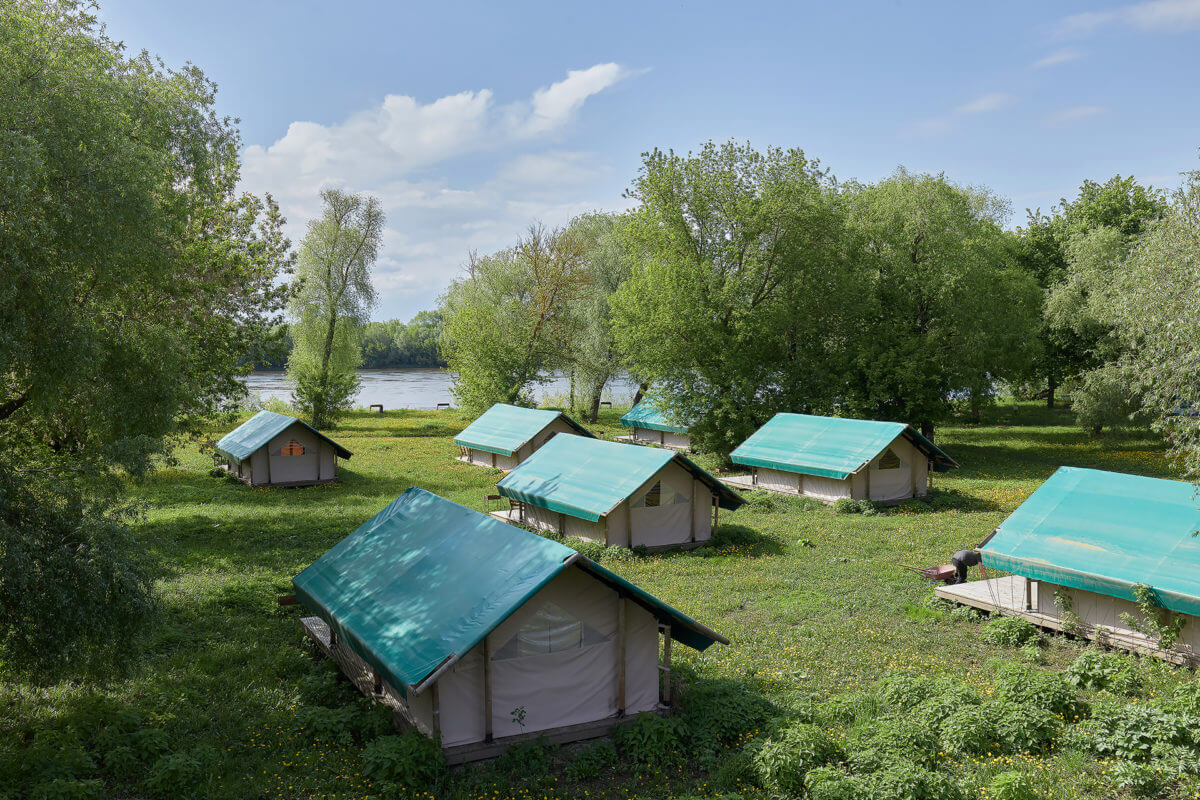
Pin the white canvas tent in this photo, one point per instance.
(504, 435)
(273, 449)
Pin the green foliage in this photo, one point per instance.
(782, 761)
(325, 686)
(1052, 691)
(173, 774)
(529, 760)
(884, 741)
(1154, 620)
(1024, 727)
(1011, 785)
(970, 731)
(69, 789)
(650, 739)
(844, 505)
(718, 716)
(1098, 670)
(1009, 631)
(735, 772)
(410, 762)
(592, 761)
(1140, 780)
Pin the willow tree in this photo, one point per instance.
(333, 301)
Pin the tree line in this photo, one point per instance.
(391, 344)
(746, 282)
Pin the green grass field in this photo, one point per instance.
(817, 604)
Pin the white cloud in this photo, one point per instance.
(985, 103)
(1074, 114)
(944, 123)
(1058, 57)
(402, 149)
(1170, 16)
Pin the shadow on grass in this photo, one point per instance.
(740, 540)
(941, 500)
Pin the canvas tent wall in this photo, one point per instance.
(830, 458)
(504, 435)
(1094, 536)
(462, 622)
(650, 425)
(273, 449)
(616, 494)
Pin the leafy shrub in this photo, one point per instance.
(593, 760)
(716, 716)
(1011, 785)
(902, 780)
(970, 730)
(734, 773)
(783, 760)
(327, 724)
(326, 687)
(585, 548)
(1141, 780)
(965, 614)
(831, 783)
(171, 773)
(57, 754)
(121, 762)
(934, 711)
(844, 505)
(1009, 631)
(149, 743)
(409, 762)
(649, 739)
(528, 760)
(1095, 669)
(1134, 732)
(1184, 698)
(1020, 683)
(906, 690)
(889, 740)
(1024, 727)
(69, 789)
(850, 707)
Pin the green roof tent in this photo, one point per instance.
(1102, 533)
(272, 449)
(504, 435)
(650, 425)
(462, 619)
(832, 457)
(616, 494)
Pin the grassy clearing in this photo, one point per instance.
(818, 606)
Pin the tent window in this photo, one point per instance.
(659, 494)
(889, 460)
(292, 448)
(551, 629)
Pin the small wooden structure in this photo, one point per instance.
(273, 449)
(648, 424)
(504, 435)
(485, 635)
(616, 494)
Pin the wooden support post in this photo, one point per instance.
(716, 513)
(332, 638)
(606, 530)
(692, 528)
(868, 472)
(754, 476)
(487, 691)
(493, 459)
(628, 523)
(665, 697)
(377, 680)
(562, 524)
(662, 437)
(437, 709)
(1028, 595)
(620, 656)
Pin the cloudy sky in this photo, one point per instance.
(471, 120)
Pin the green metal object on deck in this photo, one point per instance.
(425, 579)
(647, 415)
(260, 429)
(830, 447)
(1106, 532)
(588, 478)
(504, 429)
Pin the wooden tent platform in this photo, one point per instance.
(644, 443)
(1007, 596)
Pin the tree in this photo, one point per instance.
(947, 313)
(738, 304)
(134, 281)
(508, 320)
(1152, 305)
(417, 341)
(332, 302)
(1121, 205)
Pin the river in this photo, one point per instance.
(420, 388)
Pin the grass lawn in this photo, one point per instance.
(816, 604)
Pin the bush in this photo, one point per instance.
(649, 739)
(1134, 732)
(1009, 631)
(907, 690)
(409, 762)
(850, 707)
(1185, 698)
(717, 716)
(528, 760)
(172, 773)
(1140, 780)
(1020, 683)
(970, 731)
(56, 755)
(934, 711)
(326, 687)
(593, 760)
(889, 740)
(1024, 727)
(734, 773)
(335, 725)
(69, 789)
(844, 505)
(1097, 670)
(831, 783)
(782, 762)
(901, 780)
(1011, 785)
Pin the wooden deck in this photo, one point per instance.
(1006, 595)
(644, 443)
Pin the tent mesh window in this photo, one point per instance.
(551, 629)
(292, 448)
(659, 495)
(889, 460)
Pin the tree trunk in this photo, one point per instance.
(319, 409)
(1051, 385)
(927, 429)
(641, 390)
(594, 402)
(1097, 430)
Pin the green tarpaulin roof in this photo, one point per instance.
(646, 414)
(831, 447)
(257, 431)
(1106, 532)
(425, 579)
(587, 478)
(503, 429)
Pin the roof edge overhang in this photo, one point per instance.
(487, 448)
(551, 505)
(941, 460)
(751, 461)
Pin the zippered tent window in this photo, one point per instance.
(659, 494)
(551, 629)
(889, 460)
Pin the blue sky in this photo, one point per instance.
(471, 120)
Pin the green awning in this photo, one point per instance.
(425, 579)
(260, 429)
(1106, 532)
(587, 478)
(504, 429)
(646, 414)
(830, 447)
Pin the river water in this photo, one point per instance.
(420, 388)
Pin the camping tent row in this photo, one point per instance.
(616, 494)
(484, 634)
(504, 435)
(651, 425)
(1079, 547)
(830, 458)
(272, 449)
